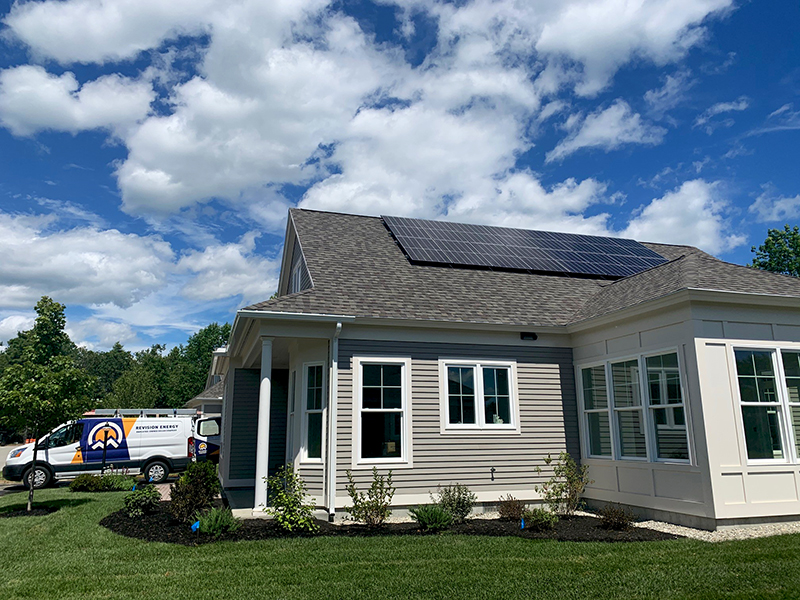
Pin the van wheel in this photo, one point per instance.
(156, 472)
(41, 478)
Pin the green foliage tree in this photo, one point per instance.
(43, 387)
(780, 252)
(106, 367)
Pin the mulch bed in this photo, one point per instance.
(161, 527)
(37, 511)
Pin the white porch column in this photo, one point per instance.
(262, 440)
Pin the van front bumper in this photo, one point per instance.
(13, 472)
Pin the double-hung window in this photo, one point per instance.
(761, 405)
(313, 405)
(628, 410)
(791, 372)
(665, 398)
(381, 415)
(595, 403)
(478, 395)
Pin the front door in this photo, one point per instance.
(63, 451)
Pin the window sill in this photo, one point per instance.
(468, 430)
(368, 463)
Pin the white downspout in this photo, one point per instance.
(333, 379)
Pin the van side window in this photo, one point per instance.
(208, 428)
(69, 434)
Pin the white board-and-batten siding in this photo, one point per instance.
(548, 422)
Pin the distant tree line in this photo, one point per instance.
(151, 378)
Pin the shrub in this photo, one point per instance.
(562, 493)
(510, 508)
(86, 483)
(143, 501)
(217, 521)
(613, 516)
(116, 482)
(457, 500)
(287, 502)
(539, 519)
(372, 507)
(194, 491)
(111, 482)
(431, 517)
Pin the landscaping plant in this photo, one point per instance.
(431, 517)
(194, 491)
(539, 519)
(456, 499)
(615, 517)
(143, 501)
(562, 493)
(374, 506)
(510, 508)
(287, 502)
(111, 482)
(217, 521)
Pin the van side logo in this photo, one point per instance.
(97, 436)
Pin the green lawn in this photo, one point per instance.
(68, 555)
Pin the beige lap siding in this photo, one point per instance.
(313, 477)
(548, 418)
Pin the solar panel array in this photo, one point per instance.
(459, 244)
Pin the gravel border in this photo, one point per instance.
(727, 534)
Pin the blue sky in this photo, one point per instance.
(150, 150)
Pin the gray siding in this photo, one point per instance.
(548, 418)
(314, 478)
(244, 423)
(277, 420)
(305, 276)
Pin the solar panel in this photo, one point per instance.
(460, 244)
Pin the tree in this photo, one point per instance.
(143, 384)
(107, 367)
(43, 387)
(780, 252)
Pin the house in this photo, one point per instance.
(209, 401)
(459, 353)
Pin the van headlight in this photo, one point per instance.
(16, 453)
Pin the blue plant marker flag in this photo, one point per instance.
(133, 489)
(522, 523)
(195, 525)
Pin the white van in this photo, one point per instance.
(152, 442)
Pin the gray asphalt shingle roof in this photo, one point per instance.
(358, 269)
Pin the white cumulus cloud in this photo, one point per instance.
(31, 100)
(771, 206)
(608, 129)
(693, 214)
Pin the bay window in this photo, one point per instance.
(641, 414)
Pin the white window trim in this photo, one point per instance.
(406, 454)
(481, 428)
(295, 277)
(304, 458)
(789, 450)
(650, 441)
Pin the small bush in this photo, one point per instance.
(117, 482)
(431, 517)
(615, 517)
(539, 519)
(374, 506)
(143, 501)
(86, 483)
(287, 502)
(217, 521)
(194, 491)
(562, 493)
(111, 482)
(510, 508)
(457, 500)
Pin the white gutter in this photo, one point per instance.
(333, 379)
